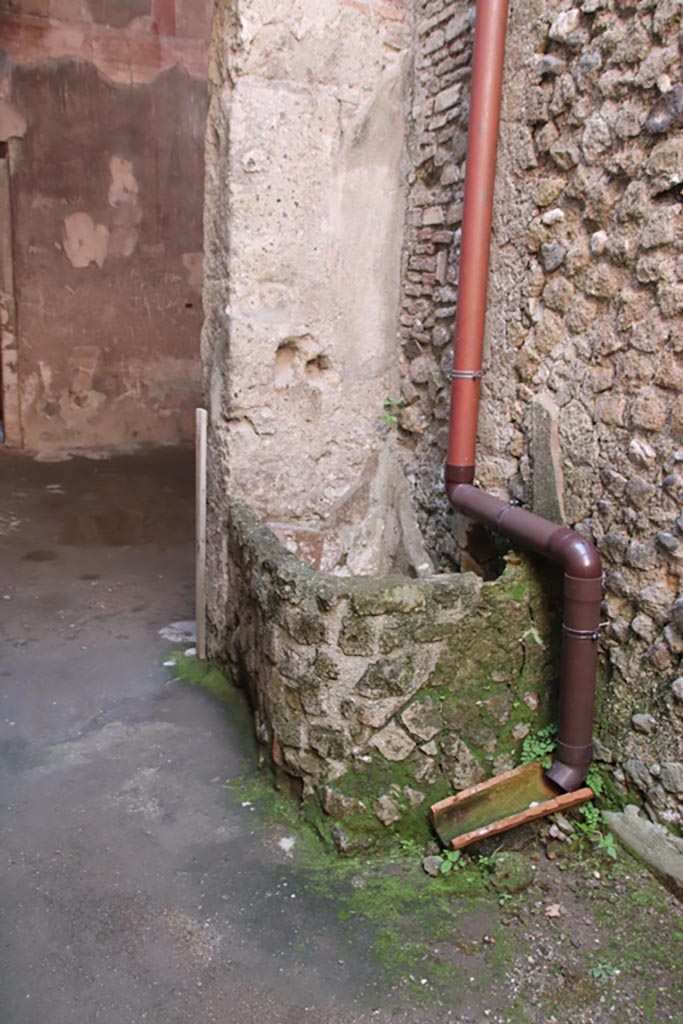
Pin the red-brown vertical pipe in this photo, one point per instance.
(480, 172)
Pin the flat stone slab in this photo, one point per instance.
(662, 852)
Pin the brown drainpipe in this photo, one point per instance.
(578, 557)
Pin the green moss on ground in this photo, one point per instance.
(421, 927)
(440, 941)
(207, 676)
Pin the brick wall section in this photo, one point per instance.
(443, 47)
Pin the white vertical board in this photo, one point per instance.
(200, 519)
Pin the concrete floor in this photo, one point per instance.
(132, 888)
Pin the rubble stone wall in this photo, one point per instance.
(582, 407)
(379, 695)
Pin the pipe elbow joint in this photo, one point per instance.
(455, 493)
(579, 556)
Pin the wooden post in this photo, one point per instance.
(200, 498)
(10, 409)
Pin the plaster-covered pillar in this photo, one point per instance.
(304, 224)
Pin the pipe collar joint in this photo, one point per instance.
(456, 475)
(579, 556)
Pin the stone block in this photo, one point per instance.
(564, 25)
(552, 256)
(640, 556)
(665, 165)
(458, 764)
(388, 678)
(433, 215)
(548, 190)
(329, 743)
(415, 797)
(387, 810)
(602, 282)
(385, 595)
(336, 805)
(447, 98)
(649, 412)
(548, 478)
(393, 743)
(662, 853)
(596, 140)
(434, 41)
(356, 636)
(655, 600)
(422, 719)
(644, 723)
(672, 777)
(667, 112)
(660, 228)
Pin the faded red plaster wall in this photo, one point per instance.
(104, 109)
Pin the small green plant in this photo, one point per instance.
(592, 820)
(450, 859)
(595, 781)
(410, 847)
(603, 972)
(389, 417)
(590, 828)
(485, 864)
(539, 746)
(605, 844)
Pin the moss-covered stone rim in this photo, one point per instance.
(369, 595)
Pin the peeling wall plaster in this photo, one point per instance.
(107, 196)
(128, 40)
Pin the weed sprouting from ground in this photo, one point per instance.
(410, 847)
(451, 859)
(590, 827)
(603, 972)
